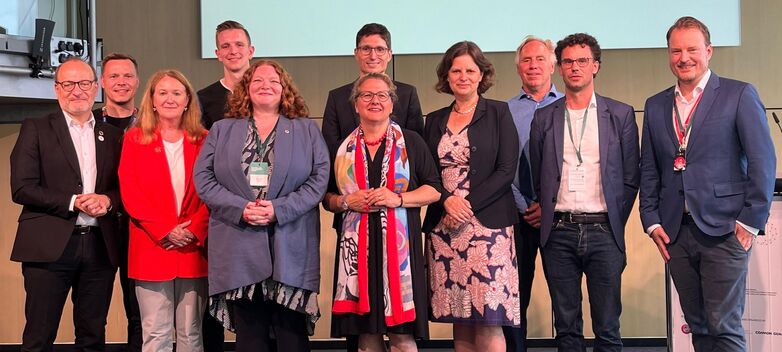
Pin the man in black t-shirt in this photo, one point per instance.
(234, 50)
(119, 80)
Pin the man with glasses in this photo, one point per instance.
(119, 78)
(64, 174)
(372, 53)
(535, 64)
(234, 50)
(707, 177)
(584, 156)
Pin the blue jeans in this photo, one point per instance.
(574, 250)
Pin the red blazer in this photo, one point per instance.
(149, 199)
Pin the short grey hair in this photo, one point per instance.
(531, 38)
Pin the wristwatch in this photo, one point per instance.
(344, 203)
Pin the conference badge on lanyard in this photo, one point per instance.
(682, 132)
(259, 174)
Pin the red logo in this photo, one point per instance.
(686, 329)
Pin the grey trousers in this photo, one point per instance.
(710, 274)
(169, 306)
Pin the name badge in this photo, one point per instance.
(576, 179)
(259, 174)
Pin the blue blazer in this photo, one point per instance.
(618, 140)
(239, 253)
(730, 161)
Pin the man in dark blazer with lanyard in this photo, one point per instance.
(584, 156)
(707, 176)
(372, 52)
(64, 174)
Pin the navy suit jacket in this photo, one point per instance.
(45, 174)
(618, 145)
(239, 253)
(730, 161)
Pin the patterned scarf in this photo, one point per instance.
(351, 170)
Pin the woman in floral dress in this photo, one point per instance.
(472, 260)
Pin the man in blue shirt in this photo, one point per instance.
(535, 61)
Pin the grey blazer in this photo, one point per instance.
(239, 253)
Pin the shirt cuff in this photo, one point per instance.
(651, 229)
(73, 201)
(751, 229)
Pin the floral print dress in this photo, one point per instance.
(472, 269)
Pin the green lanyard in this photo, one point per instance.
(260, 146)
(570, 132)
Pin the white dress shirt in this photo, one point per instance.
(588, 198)
(83, 137)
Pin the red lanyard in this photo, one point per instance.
(683, 128)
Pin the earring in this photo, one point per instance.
(185, 108)
(154, 108)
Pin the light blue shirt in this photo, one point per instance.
(523, 107)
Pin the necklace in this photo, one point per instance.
(375, 142)
(465, 112)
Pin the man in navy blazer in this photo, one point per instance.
(584, 156)
(707, 176)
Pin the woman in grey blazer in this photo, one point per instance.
(262, 171)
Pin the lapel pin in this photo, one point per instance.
(157, 149)
(286, 131)
(100, 133)
(100, 138)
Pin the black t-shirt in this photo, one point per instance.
(119, 122)
(212, 100)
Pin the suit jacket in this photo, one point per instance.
(45, 174)
(239, 253)
(341, 118)
(618, 148)
(149, 198)
(730, 161)
(494, 148)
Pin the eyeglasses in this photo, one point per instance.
(368, 96)
(367, 50)
(582, 62)
(69, 85)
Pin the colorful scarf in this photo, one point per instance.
(351, 170)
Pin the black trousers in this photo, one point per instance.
(255, 319)
(527, 241)
(212, 332)
(84, 268)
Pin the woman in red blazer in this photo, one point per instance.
(167, 253)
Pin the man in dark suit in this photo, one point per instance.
(372, 52)
(707, 176)
(64, 173)
(584, 156)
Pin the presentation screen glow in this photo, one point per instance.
(328, 28)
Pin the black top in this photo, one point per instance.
(212, 100)
(340, 117)
(119, 122)
(423, 172)
(494, 155)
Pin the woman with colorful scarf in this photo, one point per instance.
(382, 176)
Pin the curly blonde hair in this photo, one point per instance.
(292, 104)
(148, 118)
